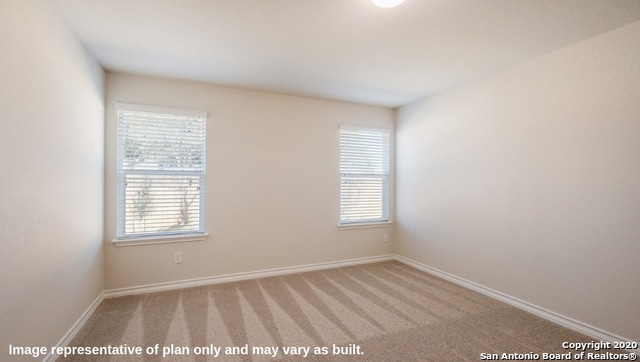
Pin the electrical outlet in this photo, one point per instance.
(177, 257)
(386, 238)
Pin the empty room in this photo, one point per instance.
(321, 180)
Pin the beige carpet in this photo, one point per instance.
(375, 312)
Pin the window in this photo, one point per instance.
(364, 175)
(161, 171)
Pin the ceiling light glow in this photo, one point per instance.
(387, 3)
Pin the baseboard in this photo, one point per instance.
(591, 331)
(66, 339)
(241, 276)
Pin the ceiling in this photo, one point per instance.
(337, 49)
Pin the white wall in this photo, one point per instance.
(51, 178)
(527, 181)
(272, 183)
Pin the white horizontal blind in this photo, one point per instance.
(364, 175)
(161, 171)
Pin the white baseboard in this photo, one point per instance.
(241, 276)
(591, 331)
(66, 339)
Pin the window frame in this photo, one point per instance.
(124, 238)
(384, 175)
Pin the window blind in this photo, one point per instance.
(161, 171)
(364, 175)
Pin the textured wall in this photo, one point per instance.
(51, 157)
(527, 181)
(272, 183)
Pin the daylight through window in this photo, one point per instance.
(161, 171)
(364, 175)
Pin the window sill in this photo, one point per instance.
(159, 239)
(364, 225)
